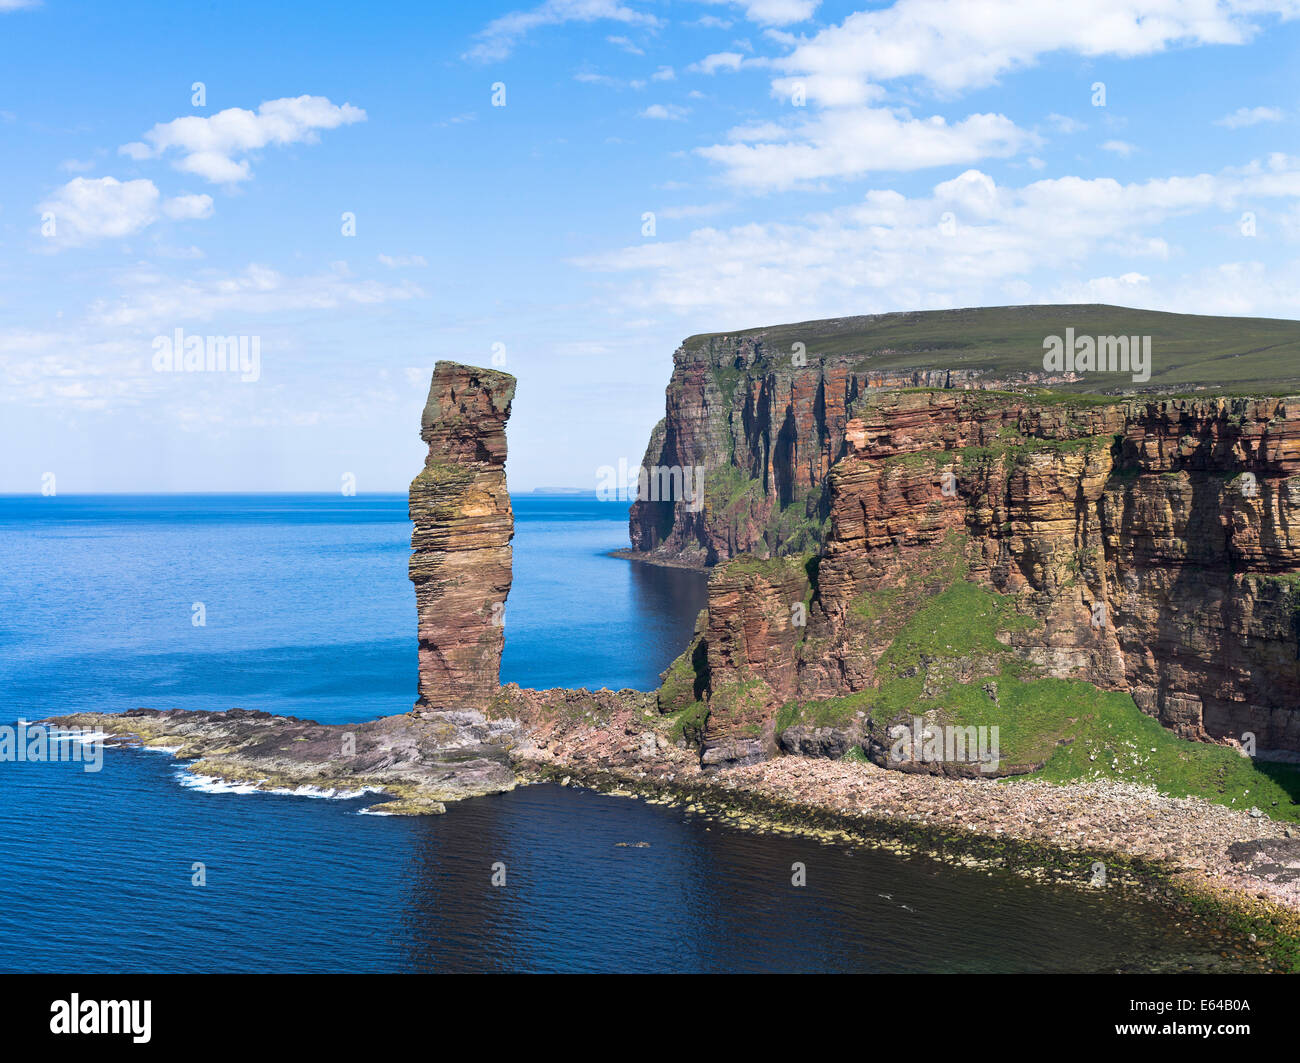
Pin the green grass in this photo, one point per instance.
(680, 686)
(1113, 739)
(787, 716)
(688, 723)
(962, 621)
(729, 496)
(1022, 449)
(726, 485)
(744, 698)
(772, 568)
(917, 459)
(797, 529)
(826, 712)
(1189, 351)
(935, 568)
(1074, 731)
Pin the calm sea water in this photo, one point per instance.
(309, 612)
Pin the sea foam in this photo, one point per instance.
(211, 784)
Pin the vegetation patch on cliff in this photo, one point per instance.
(886, 608)
(1112, 738)
(949, 665)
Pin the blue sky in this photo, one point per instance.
(801, 160)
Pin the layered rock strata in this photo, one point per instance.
(1151, 546)
(765, 411)
(460, 546)
(766, 433)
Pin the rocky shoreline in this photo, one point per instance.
(1230, 867)
(419, 763)
(1238, 870)
(628, 554)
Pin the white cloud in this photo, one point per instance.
(18, 5)
(769, 12)
(664, 73)
(402, 261)
(211, 147)
(182, 208)
(1064, 124)
(498, 39)
(779, 12)
(180, 253)
(666, 112)
(1231, 288)
(71, 368)
(103, 360)
(711, 64)
(1128, 289)
(827, 90)
(969, 242)
(89, 209)
(157, 301)
(695, 210)
(840, 74)
(1248, 116)
(962, 44)
(1119, 147)
(626, 45)
(848, 143)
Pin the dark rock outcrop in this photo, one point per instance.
(460, 547)
(418, 763)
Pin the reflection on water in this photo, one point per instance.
(700, 896)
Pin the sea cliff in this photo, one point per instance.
(1145, 543)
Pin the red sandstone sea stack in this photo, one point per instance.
(460, 547)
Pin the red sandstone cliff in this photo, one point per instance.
(1151, 543)
(460, 546)
(1155, 543)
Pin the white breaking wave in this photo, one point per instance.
(210, 784)
(79, 736)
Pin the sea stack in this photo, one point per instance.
(460, 547)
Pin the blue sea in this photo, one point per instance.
(307, 611)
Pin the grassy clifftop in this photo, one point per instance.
(1189, 351)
